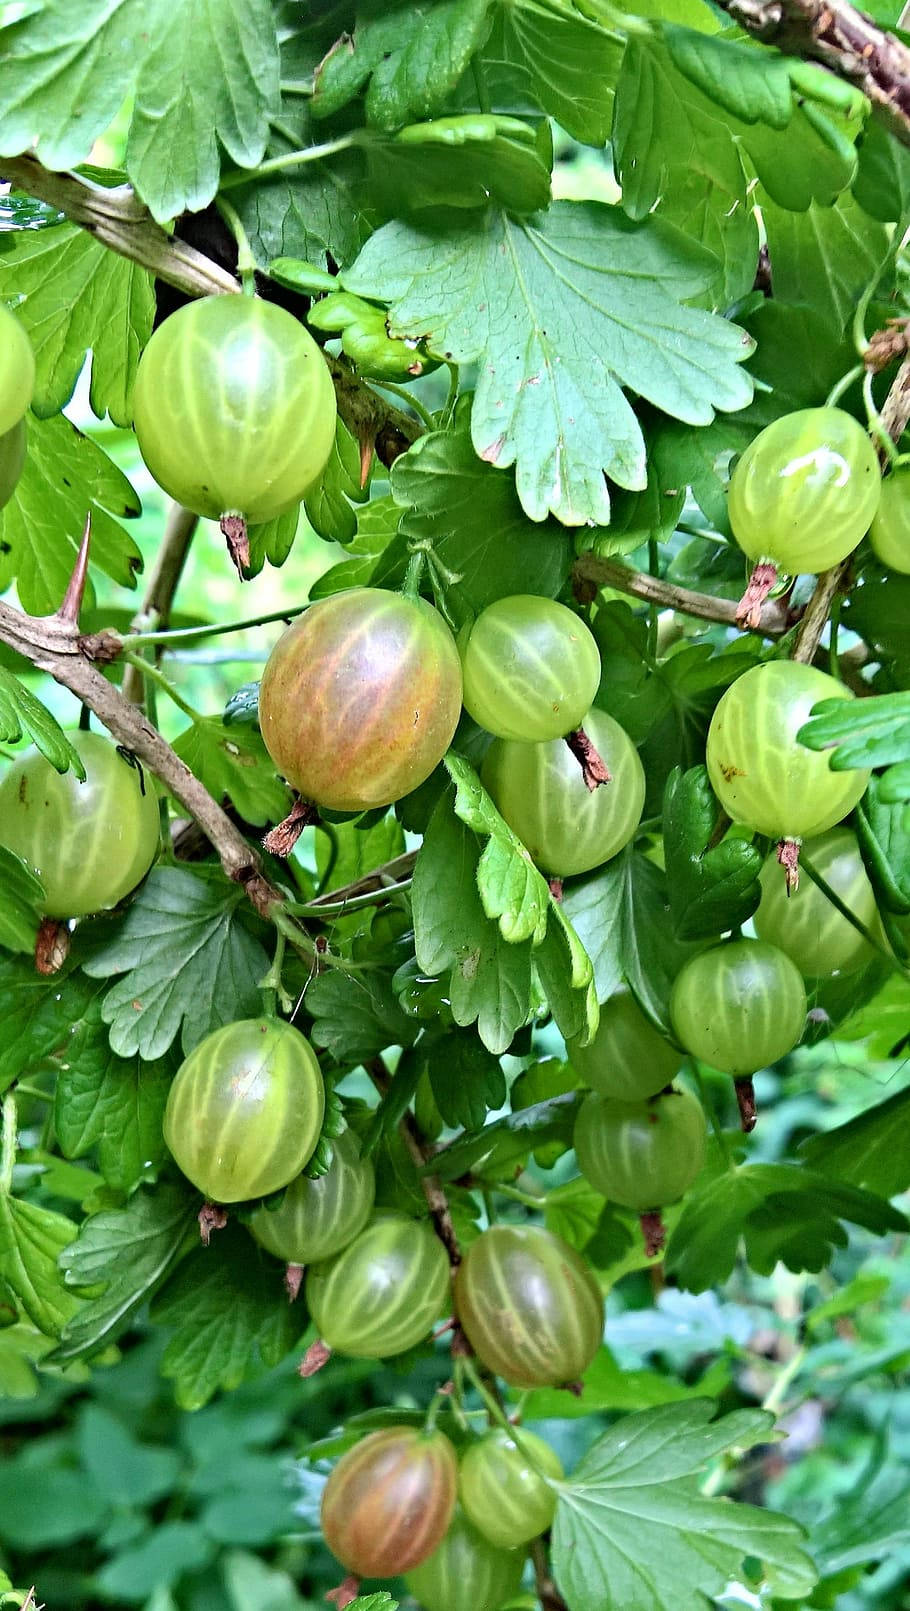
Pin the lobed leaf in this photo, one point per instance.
(712, 888)
(861, 732)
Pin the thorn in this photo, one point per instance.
(75, 588)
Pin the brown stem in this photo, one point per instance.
(594, 769)
(590, 568)
(843, 39)
(895, 410)
(749, 608)
(547, 1592)
(815, 617)
(437, 1201)
(155, 610)
(280, 840)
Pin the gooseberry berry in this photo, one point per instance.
(809, 927)
(89, 843)
(389, 1501)
(466, 1572)
(739, 1006)
(627, 1058)
(17, 370)
(540, 791)
(360, 698)
(531, 669)
(503, 1486)
(382, 1293)
(12, 459)
(642, 1155)
(803, 493)
(245, 1109)
(529, 1306)
(234, 408)
(319, 1217)
(889, 533)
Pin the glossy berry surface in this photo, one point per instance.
(529, 1306)
(506, 1496)
(627, 1058)
(805, 924)
(739, 1006)
(540, 791)
(466, 1572)
(319, 1217)
(12, 459)
(360, 698)
(531, 669)
(388, 1503)
(245, 1110)
(805, 490)
(234, 408)
(889, 534)
(17, 370)
(762, 775)
(641, 1155)
(89, 843)
(384, 1292)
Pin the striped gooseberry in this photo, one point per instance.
(762, 775)
(641, 1155)
(90, 843)
(805, 490)
(504, 1488)
(360, 698)
(319, 1217)
(466, 1572)
(388, 1502)
(739, 1006)
(627, 1058)
(809, 927)
(17, 370)
(529, 1306)
(540, 791)
(12, 459)
(889, 534)
(382, 1293)
(234, 408)
(531, 669)
(245, 1109)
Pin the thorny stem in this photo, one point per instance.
(590, 569)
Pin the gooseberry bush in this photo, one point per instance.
(454, 805)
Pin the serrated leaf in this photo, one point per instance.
(607, 1386)
(377, 526)
(883, 831)
(356, 1017)
(785, 1213)
(118, 1463)
(542, 402)
(190, 965)
(490, 1151)
(128, 1252)
(862, 1151)
(21, 712)
(76, 295)
(328, 503)
(31, 1241)
(567, 975)
(568, 61)
(632, 1528)
(825, 256)
(752, 83)
(512, 891)
(711, 888)
(882, 183)
(466, 1079)
(66, 476)
(114, 1103)
(861, 732)
(39, 1014)
(234, 762)
(231, 1315)
(409, 57)
(21, 900)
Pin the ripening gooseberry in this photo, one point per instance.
(531, 669)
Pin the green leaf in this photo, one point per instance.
(21, 712)
(38, 1014)
(66, 476)
(233, 761)
(884, 1021)
(467, 1080)
(490, 980)
(118, 1464)
(752, 83)
(785, 1213)
(21, 900)
(114, 1103)
(512, 891)
(825, 256)
(231, 1315)
(895, 784)
(491, 1150)
(862, 732)
(632, 1528)
(475, 523)
(883, 831)
(328, 503)
(409, 57)
(42, 1507)
(711, 888)
(157, 1561)
(807, 164)
(213, 79)
(377, 526)
(190, 965)
(31, 1240)
(606, 1386)
(568, 62)
(868, 1523)
(882, 183)
(321, 211)
(516, 294)
(355, 1018)
(76, 295)
(355, 852)
(862, 1152)
(128, 1252)
(469, 161)
(567, 975)
(272, 541)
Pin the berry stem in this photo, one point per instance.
(594, 768)
(749, 608)
(246, 263)
(745, 1101)
(280, 840)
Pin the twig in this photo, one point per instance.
(393, 871)
(591, 568)
(437, 1201)
(155, 609)
(895, 410)
(547, 1592)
